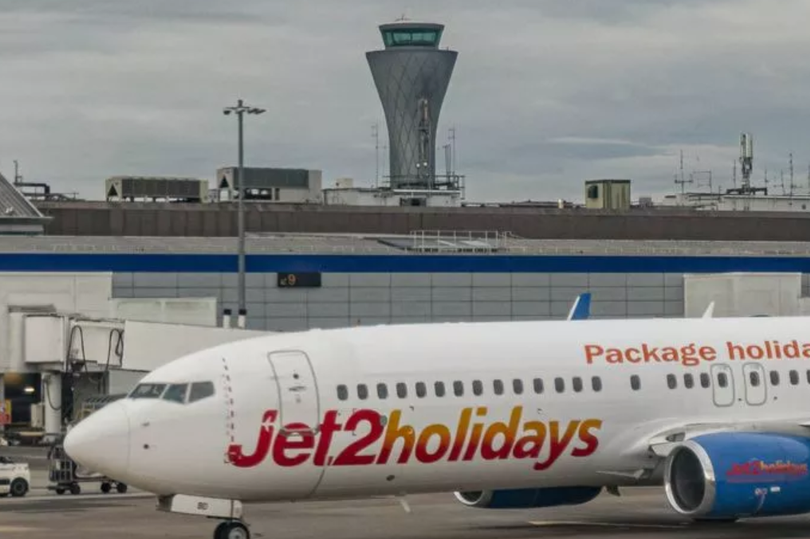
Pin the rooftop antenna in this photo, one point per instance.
(792, 184)
(680, 179)
(17, 177)
(452, 136)
(375, 133)
(746, 160)
(734, 173)
(782, 180)
(402, 18)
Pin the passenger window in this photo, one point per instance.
(596, 384)
(577, 384)
(722, 379)
(559, 385)
(478, 388)
(538, 385)
(517, 386)
(402, 390)
(342, 392)
(775, 378)
(421, 390)
(147, 391)
(200, 390)
(672, 382)
(497, 386)
(439, 388)
(808, 376)
(362, 391)
(176, 393)
(794, 377)
(635, 382)
(458, 388)
(382, 391)
(754, 378)
(688, 381)
(705, 380)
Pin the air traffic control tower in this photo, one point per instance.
(412, 75)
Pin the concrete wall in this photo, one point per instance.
(158, 219)
(381, 298)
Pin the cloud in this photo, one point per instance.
(545, 93)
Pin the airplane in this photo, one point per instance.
(505, 415)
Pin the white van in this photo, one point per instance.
(15, 478)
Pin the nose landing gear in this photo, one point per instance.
(229, 511)
(233, 529)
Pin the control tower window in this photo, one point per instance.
(410, 37)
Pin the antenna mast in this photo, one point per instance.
(375, 133)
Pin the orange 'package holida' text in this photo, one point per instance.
(693, 354)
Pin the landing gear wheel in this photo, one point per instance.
(121, 488)
(106, 488)
(232, 530)
(75, 489)
(19, 487)
(60, 491)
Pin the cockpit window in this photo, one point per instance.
(200, 390)
(176, 393)
(147, 391)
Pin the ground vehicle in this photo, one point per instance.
(64, 474)
(15, 478)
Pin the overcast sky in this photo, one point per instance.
(545, 93)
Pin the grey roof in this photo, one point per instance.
(14, 205)
(370, 244)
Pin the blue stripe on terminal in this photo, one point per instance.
(270, 263)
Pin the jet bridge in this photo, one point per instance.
(66, 349)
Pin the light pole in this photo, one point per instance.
(240, 109)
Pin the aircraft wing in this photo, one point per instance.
(581, 309)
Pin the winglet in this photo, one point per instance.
(581, 309)
(709, 311)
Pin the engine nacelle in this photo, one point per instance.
(528, 498)
(734, 475)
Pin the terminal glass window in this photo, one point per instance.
(200, 390)
(176, 393)
(147, 391)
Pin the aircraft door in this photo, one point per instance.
(722, 385)
(756, 391)
(297, 391)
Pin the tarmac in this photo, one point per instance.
(638, 513)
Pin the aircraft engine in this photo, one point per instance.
(725, 476)
(527, 498)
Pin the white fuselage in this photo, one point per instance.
(445, 407)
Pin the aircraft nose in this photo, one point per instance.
(100, 443)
